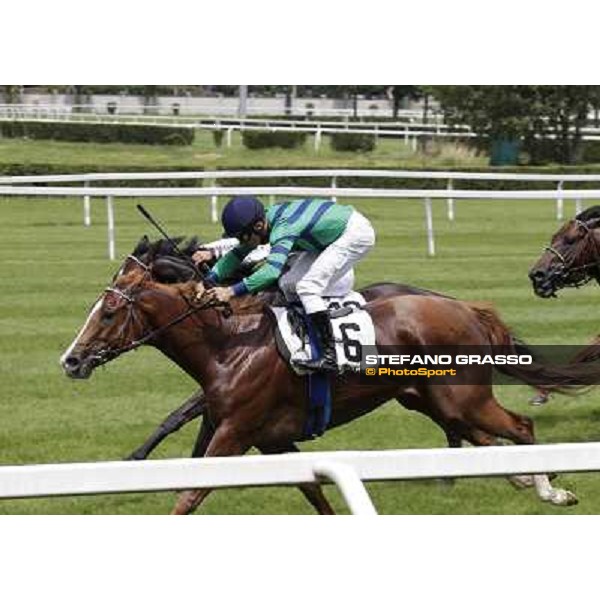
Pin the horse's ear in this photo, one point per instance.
(168, 247)
(192, 245)
(154, 250)
(593, 223)
(142, 247)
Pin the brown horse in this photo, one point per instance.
(573, 257)
(166, 262)
(252, 397)
(571, 260)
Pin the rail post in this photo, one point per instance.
(560, 203)
(318, 136)
(87, 213)
(333, 187)
(110, 210)
(429, 222)
(450, 201)
(350, 485)
(214, 208)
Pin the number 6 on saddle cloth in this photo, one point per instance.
(352, 328)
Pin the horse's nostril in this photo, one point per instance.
(72, 362)
(536, 275)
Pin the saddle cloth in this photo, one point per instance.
(352, 329)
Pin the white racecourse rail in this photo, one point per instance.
(348, 470)
(15, 186)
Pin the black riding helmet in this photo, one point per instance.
(240, 214)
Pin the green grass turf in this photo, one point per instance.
(52, 269)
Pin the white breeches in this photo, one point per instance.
(330, 273)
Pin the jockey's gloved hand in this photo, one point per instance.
(203, 256)
(218, 295)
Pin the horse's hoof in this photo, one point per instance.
(564, 498)
(539, 400)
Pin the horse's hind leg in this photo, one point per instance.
(190, 410)
(497, 421)
(476, 437)
(313, 492)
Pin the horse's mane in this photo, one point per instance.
(589, 213)
(149, 251)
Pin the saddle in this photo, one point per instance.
(352, 328)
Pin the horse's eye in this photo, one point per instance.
(107, 318)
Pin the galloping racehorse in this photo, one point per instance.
(169, 264)
(253, 398)
(571, 260)
(573, 257)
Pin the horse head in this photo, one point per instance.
(112, 324)
(120, 319)
(572, 258)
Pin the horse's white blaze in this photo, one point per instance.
(70, 349)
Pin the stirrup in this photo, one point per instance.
(325, 364)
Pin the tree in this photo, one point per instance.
(399, 93)
(546, 119)
(149, 98)
(80, 97)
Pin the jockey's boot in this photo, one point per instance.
(327, 360)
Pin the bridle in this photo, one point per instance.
(568, 271)
(132, 318)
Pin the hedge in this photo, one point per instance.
(540, 153)
(97, 132)
(424, 184)
(16, 169)
(257, 140)
(32, 169)
(353, 142)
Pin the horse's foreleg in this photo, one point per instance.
(313, 492)
(203, 439)
(187, 412)
(225, 442)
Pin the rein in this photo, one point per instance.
(568, 270)
(104, 356)
(107, 355)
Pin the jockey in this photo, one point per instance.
(333, 237)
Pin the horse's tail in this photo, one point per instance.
(564, 378)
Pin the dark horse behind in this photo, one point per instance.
(572, 259)
(253, 399)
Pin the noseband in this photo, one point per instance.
(104, 356)
(569, 270)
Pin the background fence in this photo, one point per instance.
(16, 186)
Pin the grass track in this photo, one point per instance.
(52, 268)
